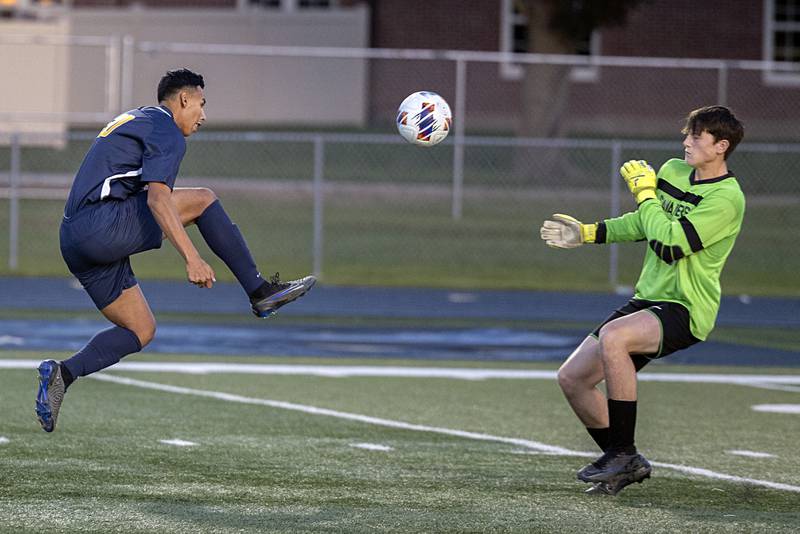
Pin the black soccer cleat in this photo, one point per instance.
(599, 488)
(280, 294)
(604, 488)
(613, 471)
(50, 394)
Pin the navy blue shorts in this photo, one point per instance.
(676, 333)
(97, 241)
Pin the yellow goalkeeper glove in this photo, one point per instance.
(641, 179)
(567, 232)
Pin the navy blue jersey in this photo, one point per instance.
(140, 146)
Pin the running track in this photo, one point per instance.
(288, 338)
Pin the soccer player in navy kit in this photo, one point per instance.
(123, 202)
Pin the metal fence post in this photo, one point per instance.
(459, 113)
(126, 74)
(13, 203)
(613, 257)
(113, 53)
(319, 201)
(722, 84)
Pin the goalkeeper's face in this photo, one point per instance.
(701, 149)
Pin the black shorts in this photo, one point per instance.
(676, 333)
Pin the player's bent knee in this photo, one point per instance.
(613, 341)
(145, 333)
(565, 381)
(207, 196)
(568, 381)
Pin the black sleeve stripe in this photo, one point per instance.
(668, 254)
(691, 234)
(658, 248)
(601, 234)
(677, 194)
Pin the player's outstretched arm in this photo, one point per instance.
(563, 231)
(159, 200)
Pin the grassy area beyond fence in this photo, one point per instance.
(408, 237)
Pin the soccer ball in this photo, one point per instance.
(424, 118)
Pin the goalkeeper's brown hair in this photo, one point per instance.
(718, 121)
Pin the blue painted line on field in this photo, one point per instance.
(272, 337)
(381, 302)
(312, 341)
(486, 344)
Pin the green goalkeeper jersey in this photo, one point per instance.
(690, 230)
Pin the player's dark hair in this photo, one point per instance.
(719, 122)
(175, 80)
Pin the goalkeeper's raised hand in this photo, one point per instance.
(641, 179)
(564, 231)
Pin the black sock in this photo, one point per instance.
(622, 425)
(601, 436)
(66, 376)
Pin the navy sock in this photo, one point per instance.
(104, 349)
(622, 425)
(601, 436)
(227, 242)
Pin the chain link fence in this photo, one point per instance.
(352, 202)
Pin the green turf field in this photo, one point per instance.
(265, 468)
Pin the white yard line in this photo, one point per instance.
(777, 408)
(177, 442)
(330, 413)
(465, 373)
(751, 454)
(372, 447)
(528, 444)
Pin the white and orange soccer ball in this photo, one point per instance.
(424, 118)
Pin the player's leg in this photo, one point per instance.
(93, 246)
(200, 206)
(191, 202)
(134, 328)
(637, 333)
(621, 464)
(578, 378)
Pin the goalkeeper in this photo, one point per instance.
(689, 214)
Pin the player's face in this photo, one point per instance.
(194, 115)
(700, 149)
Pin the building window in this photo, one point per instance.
(782, 40)
(514, 38)
(291, 5)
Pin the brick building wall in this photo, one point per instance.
(618, 101)
(611, 103)
(690, 29)
(157, 3)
